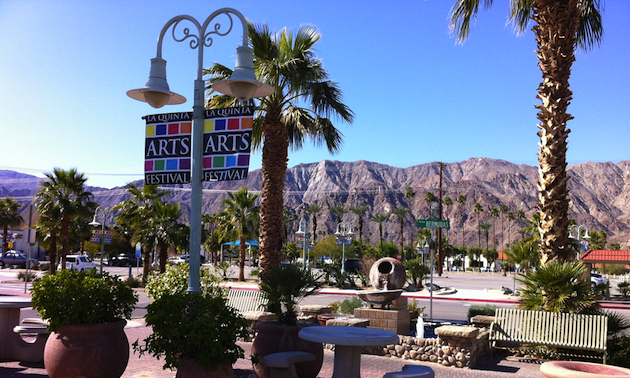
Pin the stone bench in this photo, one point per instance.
(33, 351)
(348, 322)
(412, 371)
(282, 365)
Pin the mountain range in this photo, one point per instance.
(599, 194)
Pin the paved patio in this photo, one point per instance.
(371, 366)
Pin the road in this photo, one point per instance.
(443, 307)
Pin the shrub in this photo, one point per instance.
(44, 266)
(73, 297)
(175, 280)
(223, 267)
(488, 310)
(335, 307)
(348, 305)
(618, 349)
(416, 272)
(31, 276)
(624, 288)
(133, 282)
(415, 311)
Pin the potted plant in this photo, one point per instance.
(86, 314)
(283, 288)
(195, 333)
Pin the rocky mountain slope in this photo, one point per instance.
(599, 193)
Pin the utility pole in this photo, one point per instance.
(440, 255)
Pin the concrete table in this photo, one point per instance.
(349, 341)
(12, 346)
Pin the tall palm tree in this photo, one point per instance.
(401, 213)
(409, 195)
(380, 218)
(165, 216)
(48, 229)
(9, 217)
(448, 202)
(359, 211)
(64, 194)
(137, 217)
(478, 209)
(429, 198)
(510, 218)
(241, 212)
(560, 26)
(485, 228)
(288, 216)
(520, 215)
(339, 211)
(313, 209)
(494, 213)
(503, 210)
(461, 201)
(302, 106)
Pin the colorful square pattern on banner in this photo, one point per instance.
(226, 146)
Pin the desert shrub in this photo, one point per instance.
(488, 310)
(348, 305)
(44, 266)
(133, 281)
(416, 272)
(223, 267)
(618, 349)
(624, 288)
(31, 276)
(335, 307)
(414, 311)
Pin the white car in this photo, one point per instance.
(81, 263)
(597, 279)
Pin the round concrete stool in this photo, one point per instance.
(412, 371)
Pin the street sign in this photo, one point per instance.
(434, 223)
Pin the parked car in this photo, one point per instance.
(597, 279)
(202, 259)
(174, 260)
(81, 263)
(124, 259)
(15, 258)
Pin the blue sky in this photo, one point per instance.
(419, 97)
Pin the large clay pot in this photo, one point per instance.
(189, 369)
(388, 274)
(87, 350)
(274, 337)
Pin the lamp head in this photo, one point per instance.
(300, 231)
(94, 223)
(243, 83)
(156, 91)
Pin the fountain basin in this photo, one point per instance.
(577, 369)
(380, 297)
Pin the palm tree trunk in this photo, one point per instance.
(52, 253)
(65, 239)
(241, 264)
(163, 257)
(556, 26)
(274, 167)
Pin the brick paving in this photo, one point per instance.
(371, 366)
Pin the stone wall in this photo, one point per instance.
(458, 346)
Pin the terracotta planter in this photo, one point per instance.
(274, 337)
(87, 350)
(577, 369)
(189, 369)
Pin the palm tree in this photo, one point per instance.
(359, 211)
(461, 201)
(287, 217)
(485, 228)
(401, 213)
(312, 209)
(380, 218)
(503, 210)
(448, 202)
(165, 217)
(520, 215)
(241, 213)
(302, 106)
(494, 213)
(64, 194)
(525, 254)
(510, 218)
(339, 211)
(48, 230)
(429, 198)
(560, 26)
(478, 209)
(409, 195)
(137, 217)
(9, 217)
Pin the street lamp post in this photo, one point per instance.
(242, 85)
(579, 229)
(343, 234)
(104, 213)
(300, 232)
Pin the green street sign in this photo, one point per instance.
(434, 223)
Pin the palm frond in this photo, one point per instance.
(590, 29)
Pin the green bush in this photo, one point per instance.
(618, 349)
(196, 326)
(73, 297)
(175, 280)
(416, 272)
(335, 307)
(624, 288)
(348, 305)
(488, 310)
(617, 269)
(414, 311)
(133, 282)
(31, 276)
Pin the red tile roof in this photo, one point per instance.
(606, 257)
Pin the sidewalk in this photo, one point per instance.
(371, 366)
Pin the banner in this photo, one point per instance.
(226, 146)
(97, 235)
